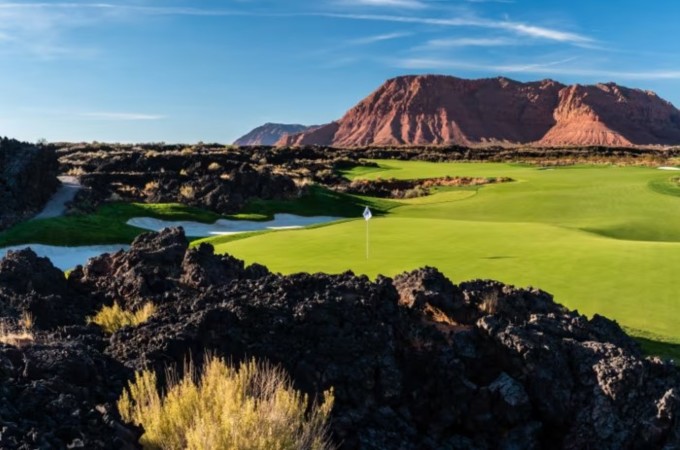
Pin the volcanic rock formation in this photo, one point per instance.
(221, 181)
(28, 178)
(269, 134)
(416, 362)
(433, 109)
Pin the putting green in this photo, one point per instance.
(600, 239)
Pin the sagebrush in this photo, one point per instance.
(253, 407)
(113, 318)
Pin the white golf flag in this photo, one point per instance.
(367, 214)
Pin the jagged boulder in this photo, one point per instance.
(31, 286)
(28, 178)
(60, 395)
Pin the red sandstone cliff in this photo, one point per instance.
(432, 109)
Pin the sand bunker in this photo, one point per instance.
(67, 257)
(669, 168)
(226, 227)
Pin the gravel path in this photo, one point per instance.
(57, 205)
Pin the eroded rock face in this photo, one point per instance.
(416, 362)
(435, 109)
(28, 178)
(270, 133)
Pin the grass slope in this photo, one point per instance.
(601, 239)
(106, 226)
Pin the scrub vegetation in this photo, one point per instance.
(253, 407)
(113, 318)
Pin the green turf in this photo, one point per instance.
(602, 239)
(320, 201)
(106, 226)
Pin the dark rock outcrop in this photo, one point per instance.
(60, 394)
(28, 178)
(416, 362)
(32, 286)
(221, 182)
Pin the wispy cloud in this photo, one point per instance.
(468, 42)
(40, 28)
(122, 116)
(558, 68)
(377, 38)
(85, 114)
(425, 63)
(490, 1)
(118, 7)
(409, 4)
(519, 28)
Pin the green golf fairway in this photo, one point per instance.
(601, 239)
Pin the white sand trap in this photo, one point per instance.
(67, 257)
(226, 227)
(669, 168)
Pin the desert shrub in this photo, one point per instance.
(113, 318)
(214, 166)
(19, 338)
(417, 191)
(490, 303)
(187, 191)
(253, 407)
(151, 186)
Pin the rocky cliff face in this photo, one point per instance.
(429, 109)
(416, 362)
(270, 134)
(607, 114)
(28, 178)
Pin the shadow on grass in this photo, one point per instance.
(319, 201)
(666, 350)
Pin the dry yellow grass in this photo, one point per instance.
(151, 187)
(113, 318)
(214, 166)
(187, 191)
(490, 303)
(18, 338)
(251, 408)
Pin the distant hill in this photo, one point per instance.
(269, 134)
(436, 109)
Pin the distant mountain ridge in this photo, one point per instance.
(270, 133)
(438, 110)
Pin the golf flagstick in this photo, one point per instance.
(367, 216)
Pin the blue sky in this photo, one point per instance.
(184, 71)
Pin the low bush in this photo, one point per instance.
(23, 336)
(253, 407)
(113, 318)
